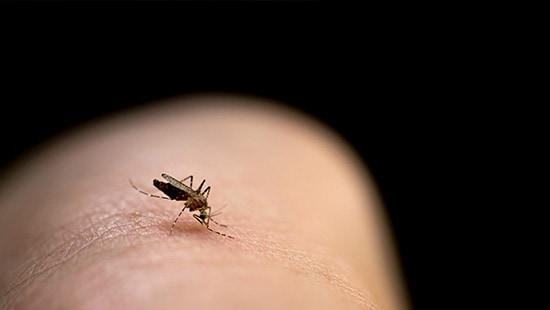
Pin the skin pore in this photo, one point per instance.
(306, 218)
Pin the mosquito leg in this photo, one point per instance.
(200, 186)
(219, 224)
(221, 234)
(211, 217)
(190, 180)
(206, 191)
(174, 224)
(197, 217)
(146, 193)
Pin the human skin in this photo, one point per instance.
(305, 216)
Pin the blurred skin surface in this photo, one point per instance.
(305, 216)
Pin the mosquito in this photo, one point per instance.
(194, 199)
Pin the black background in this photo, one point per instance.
(389, 84)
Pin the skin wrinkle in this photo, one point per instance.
(309, 265)
(103, 231)
(73, 242)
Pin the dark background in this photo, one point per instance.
(389, 84)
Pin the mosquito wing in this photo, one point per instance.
(177, 184)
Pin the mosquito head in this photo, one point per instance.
(204, 215)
